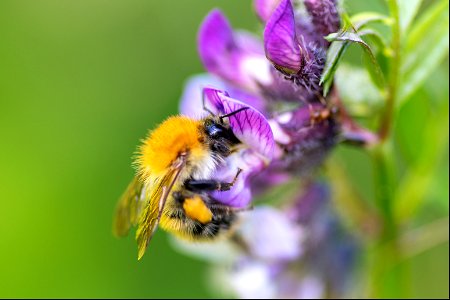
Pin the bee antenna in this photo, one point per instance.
(232, 113)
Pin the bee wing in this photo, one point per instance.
(152, 212)
(129, 207)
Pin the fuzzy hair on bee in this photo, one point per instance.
(171, 189)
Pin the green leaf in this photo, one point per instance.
(413, 189)
(410, 135)
(408, 10)
(356, 38)
(360, 20)
(426, 46)
(339, 45)
(334, 54)
(384, 50)
(376, 36)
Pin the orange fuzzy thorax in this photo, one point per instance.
(164, 144)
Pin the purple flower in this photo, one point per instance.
(301, 251)
(303, 141)
(249, 125)
(328, 250)
(295, 49)
(270, 236)
(237, 58)
(191, 100)
(254, 131)
(280, 40)
(293, 143)
(241, 194)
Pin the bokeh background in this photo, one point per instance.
(81, 82)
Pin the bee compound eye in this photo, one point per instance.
(215, 130)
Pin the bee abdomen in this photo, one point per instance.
(187, 228)
(218, 225)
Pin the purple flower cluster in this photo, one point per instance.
(284, 70)
(287, 129)
(299, 251)
(302, 251)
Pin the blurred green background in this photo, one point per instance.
(80, 83)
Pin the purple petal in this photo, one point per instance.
(249, 42)
(214, 100)
(280, 42)
(249, 126)
(191, 100)
(265, 8)
(250, 279)
(251, 99)
(215, 41)
(270, 235)
(240, 195)
(236, 57)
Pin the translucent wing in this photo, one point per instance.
(152, 212)
(129, 207)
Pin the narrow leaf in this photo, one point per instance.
(426, 46)
(412, 190)
(408, 10)
(334, 54)
(338, 47)
(355, 38)
(360, 20)
(376, 36)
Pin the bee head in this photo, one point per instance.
(220, 135)
(218, 130)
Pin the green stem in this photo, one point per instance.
(388, 277)
(392, 89)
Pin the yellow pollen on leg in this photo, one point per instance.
(196, 209)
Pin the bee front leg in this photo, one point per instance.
(207, 185)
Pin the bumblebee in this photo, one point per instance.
(172, 186)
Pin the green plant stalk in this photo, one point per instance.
(388, 277)
(394, 72)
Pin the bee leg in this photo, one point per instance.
(205, 185)
(226, 186)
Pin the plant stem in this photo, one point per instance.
(392, 89)
(388, 277)
(387, 281)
